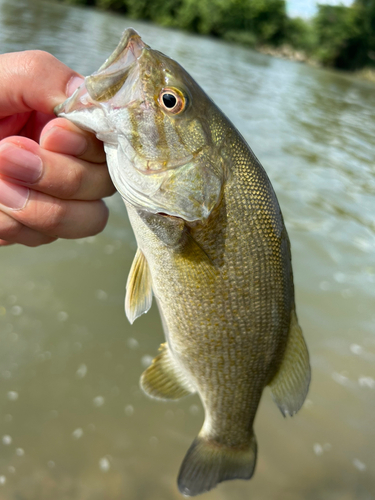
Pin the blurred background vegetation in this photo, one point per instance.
(338, 36)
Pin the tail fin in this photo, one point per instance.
(208, 463)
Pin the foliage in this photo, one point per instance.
(338, 36)
(300, 34)
(346, 35)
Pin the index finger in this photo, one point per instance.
(33, 80)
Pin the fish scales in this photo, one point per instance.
(212, 249)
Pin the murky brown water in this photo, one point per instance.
(73, 422)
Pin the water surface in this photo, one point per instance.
(73, 422)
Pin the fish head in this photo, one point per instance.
(154, 119)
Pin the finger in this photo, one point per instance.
(51, 216)
(62, 136)
(4, 243)
(33, 80)
(12, 231)
(57, 175)
(10, 125)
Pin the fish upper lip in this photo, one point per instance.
(118, 62)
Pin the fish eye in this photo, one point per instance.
(169, 101)
(172, 100)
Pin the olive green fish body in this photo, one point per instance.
(212, 249)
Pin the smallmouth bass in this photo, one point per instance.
(212, 249)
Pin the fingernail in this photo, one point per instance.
(19, 163)
(66, 141)
(13, 196)
(73, 85)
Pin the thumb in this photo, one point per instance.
(34, 80)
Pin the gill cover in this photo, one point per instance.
(151, 164)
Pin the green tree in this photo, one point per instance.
(346, 35)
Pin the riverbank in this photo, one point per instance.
(289, 53)
(337, 36)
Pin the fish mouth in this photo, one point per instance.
(103, 84)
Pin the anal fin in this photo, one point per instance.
(138, 298)
(291, 383)
(163, 379)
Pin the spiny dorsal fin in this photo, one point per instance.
(291, 383)
(208, 463)
(138, 298)
(163, 379)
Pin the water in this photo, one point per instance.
(73, 422)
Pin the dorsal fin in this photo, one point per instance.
(290, 384)
(163, 379)
(138, 298)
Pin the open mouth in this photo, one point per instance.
(110, 77)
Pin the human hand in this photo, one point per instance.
(52, 190)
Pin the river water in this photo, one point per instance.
(73, 421)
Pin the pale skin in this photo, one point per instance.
(53, 175)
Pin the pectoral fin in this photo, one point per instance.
(163, 379)
(202, 262)
(291, 383)
(138, 298)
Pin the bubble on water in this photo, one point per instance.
(356, 349)
(51, 464)
(62, 316)
(109, 249)
(7, 440)
(324, 285)
(347, 293)
(340, 378)
(115, 391)
(146, 360)
(363, 244)
(366, 382)
(78, 433)
(153, 441)
(132, 343)
(11, 469)
(12, 395)
(359, 465)
(104, 464)
(20, 452)
(30, 285)
(16, 310)
(3, 479)
(129, 410)
(308, 403)
(82, 371)
(98, 401)
(194, 410)
(169, 414)
(318, 449)
(340, 277)
(101, 295)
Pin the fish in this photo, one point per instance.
(212, 249)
